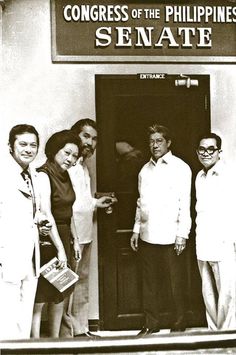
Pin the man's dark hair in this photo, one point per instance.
(21, 129)
(156, 128)
(79, 125)
(214, 136)
(57, 141)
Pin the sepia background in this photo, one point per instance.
(54, 96)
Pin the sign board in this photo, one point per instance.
(143, 31)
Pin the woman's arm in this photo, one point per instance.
(76, 245)
(45, 207)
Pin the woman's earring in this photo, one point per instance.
(74, 164)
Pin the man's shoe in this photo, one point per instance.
(87, 335)
(147, 331)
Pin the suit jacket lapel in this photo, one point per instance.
(34, 178)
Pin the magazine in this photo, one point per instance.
(62, 279)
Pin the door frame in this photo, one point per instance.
(102, 177)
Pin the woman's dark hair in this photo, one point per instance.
(21, 129)
(57, 141)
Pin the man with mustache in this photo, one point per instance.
(215, 234)
(75, 318)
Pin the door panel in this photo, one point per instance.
(125, 107)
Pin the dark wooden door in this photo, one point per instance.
(125, 106)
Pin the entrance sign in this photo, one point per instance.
(143, 31)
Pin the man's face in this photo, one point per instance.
(25, 149)
(158, 145)
(88, 137)
(208, 152)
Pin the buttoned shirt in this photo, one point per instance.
(163, 207)
(216, 217)
(84, 205)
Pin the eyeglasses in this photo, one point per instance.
(208, 150)
(156, 141)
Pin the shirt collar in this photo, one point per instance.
(215, 170)
(165, 159)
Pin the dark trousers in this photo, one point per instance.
(161, 265)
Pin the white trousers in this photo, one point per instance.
(218, 290)
(75, 317)
(16, 307)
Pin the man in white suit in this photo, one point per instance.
(215, 233)
(19, 245)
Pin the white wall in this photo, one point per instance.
(54, 96)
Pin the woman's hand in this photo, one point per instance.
(44, 227)
(62, 259)
(77, 250)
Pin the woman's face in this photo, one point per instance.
(25, 149)
(67, 156)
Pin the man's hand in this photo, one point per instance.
(180, 244)
(105, 201)
(134, 241)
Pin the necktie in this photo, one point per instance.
(27, 177)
